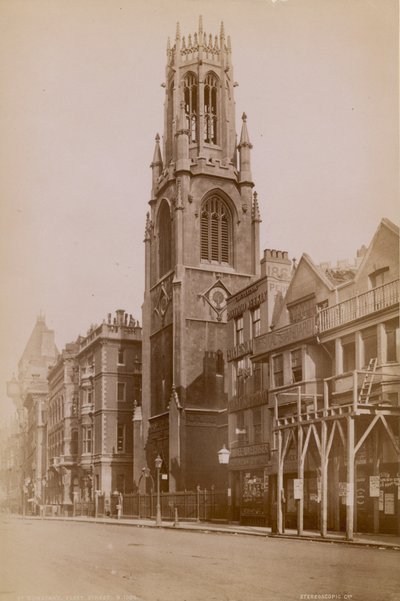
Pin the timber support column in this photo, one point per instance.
(300, 467)
(324, 480)
(350, 479)
(279, 487)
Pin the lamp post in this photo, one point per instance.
(158, 464)
(223, 459)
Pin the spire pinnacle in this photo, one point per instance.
(244, 136)
(255, 208)
(200, 28)
(178, 32)
(157, 159)
(222, 32)
(168, 44)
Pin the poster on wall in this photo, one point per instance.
(297, 488)
(381, 500)
(374, 486)
(389, 503)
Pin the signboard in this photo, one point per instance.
(389, 503)
(381, 500)
(374, 486)
(298, 488)
(342, 489)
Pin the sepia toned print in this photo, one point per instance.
(232, 433)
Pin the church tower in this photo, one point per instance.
(201, 245)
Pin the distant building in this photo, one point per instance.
(201, 246)
(94, 388)
(334, 384)
(29, 394)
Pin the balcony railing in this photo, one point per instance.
(359, 306)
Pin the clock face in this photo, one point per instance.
(217, 297)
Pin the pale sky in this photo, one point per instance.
(81, 102)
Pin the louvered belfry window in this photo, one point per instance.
(215, 231)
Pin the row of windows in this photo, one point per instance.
(255, 326)
(56, 441)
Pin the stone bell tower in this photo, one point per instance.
(201, 245)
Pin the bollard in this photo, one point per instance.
(176, 522)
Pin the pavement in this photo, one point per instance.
(381, 541)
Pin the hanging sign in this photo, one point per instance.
(298, 488)
(342, 489)
(374, 486)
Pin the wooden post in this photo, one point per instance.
(350, 478)
(335, 492)
(300, 466)
(324, 480)
(375, 472)
(280, 485)
(355, 391)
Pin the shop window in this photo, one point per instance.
(255, 322)
(121, 356)
(239, 332)
(370, 344)
(297, 365)
(121, 438)
(349, 354)
(191, 104)
(277, 363)
(121, 391)
(257, 426)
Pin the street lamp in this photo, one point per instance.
(223, 455)
(223, 459)
(158, 464)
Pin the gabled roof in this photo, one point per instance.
(385, 223)
(36, 347)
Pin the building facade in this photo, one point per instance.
(251, 313)
(29, 393)
(201, 246)
(109, 364)
(333, 360)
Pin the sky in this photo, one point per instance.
(81, 102)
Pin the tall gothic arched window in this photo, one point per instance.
(210, 109)
(165, 238)
(216, 225)
(191, 102)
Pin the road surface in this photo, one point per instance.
(44, 560)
